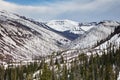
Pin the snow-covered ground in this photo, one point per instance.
(118, 76)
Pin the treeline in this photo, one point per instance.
(83, 67)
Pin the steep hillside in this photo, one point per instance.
(94, 35)
(22, 38)
(113, 40)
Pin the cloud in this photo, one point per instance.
(54, 10)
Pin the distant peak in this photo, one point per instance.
(109, 23)
(65, 21)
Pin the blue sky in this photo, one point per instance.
(33, 2)
(40, 2)
(78, 10)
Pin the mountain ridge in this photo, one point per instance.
(26, 38)
(22, 38)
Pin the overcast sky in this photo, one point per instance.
(78, 10)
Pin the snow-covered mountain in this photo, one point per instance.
(113, 39)
(94, 35)
(22, 38)
(63, 25)
(70, 28)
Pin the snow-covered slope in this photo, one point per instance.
(69, 27)
(63, 25)
(113, 39)
(22, 38)
(97, 33)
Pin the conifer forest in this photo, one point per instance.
(83, 67)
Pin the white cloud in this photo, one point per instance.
(54, 9)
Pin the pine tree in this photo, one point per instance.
(2, 73)
(46, 73)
